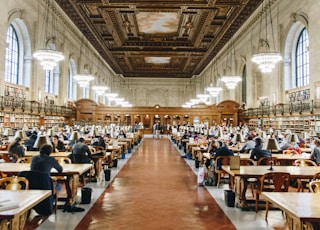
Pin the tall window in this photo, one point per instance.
(12, 57)
(72, 85)
(48, 81)
(302, 59)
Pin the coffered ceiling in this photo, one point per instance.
(158, 38)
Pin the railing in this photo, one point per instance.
(16, 104)
(311, 107)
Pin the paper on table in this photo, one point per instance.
(8, 204)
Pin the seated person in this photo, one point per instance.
(258, 152)
(316, 151)
(100, 142)
(58, 146)
(30, 143)
(80, 152)
(249, 145)
(44, 162)
(222, 150)
(16, 148)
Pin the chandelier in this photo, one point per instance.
(100, 89)
(49, 57)
(83, 79)
(214, 91)
(231, 81)
(266, 59)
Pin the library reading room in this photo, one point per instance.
(160, 114)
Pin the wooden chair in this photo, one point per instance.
(63, 160)
(302, 183)
(316, 176)
(225, 160)
(14, 183)
(24, 160)
(99, 148)
(272, 182)
(2, 175)
(267, 160)
(314, 186)
(251, 181)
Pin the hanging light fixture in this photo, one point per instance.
(214, 91)
(100, 89)
(49, 57)
(231, 81)
(267, 58)
(83, 79)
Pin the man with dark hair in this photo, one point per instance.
(258, 152)
(80, 152)
(44, 162)
(58, 145)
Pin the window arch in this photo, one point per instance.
(18, 53)
(296, 53)
(302, 59)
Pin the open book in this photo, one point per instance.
(8, 204)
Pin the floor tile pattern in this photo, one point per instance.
(156, 189)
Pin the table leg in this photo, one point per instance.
(71, 188)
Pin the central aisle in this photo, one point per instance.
(156, 189)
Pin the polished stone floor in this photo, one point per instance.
(154, 188)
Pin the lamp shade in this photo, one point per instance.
(278, 133)
(272, 144)
(263, 134)
(21, 134)
(74, 136)
(93, 132)
(50, 133)
(313, 133)
(239, 138)
(293, 138)
(41, 140)
(7, 132)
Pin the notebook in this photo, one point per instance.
(234, 162)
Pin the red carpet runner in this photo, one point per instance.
(156, 189)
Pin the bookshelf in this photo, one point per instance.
(18, 121)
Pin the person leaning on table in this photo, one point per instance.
(258, 152)
(80, 152)
(316, 151)
(44, 162)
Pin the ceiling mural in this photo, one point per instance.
(160, 39)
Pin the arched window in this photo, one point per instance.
(72, 84)
(48, 81)
(302, 59)
(244, 84)
(12, 57)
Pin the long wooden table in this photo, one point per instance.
(70, 171)
(16, 218)
(302, 209)
(245, 172)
